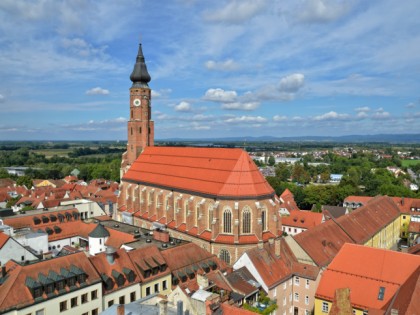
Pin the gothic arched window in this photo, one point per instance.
(210, 213)
(246, 220)
(264, 220)
(227, 221)
(224, 255)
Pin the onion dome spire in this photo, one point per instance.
(140, 77)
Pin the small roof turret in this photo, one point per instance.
(140, 77)
(99, 232)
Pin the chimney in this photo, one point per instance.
(110, 254)
(277, 246)
(394, 311)
(121, 309)
(202, 280)
(163, 307)
(179, 308)
(260, 245)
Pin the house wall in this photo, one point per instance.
(52, 306)
(13, 250)
(387, 237)
(159, 282)
(292, 230)
(405, 221)
(124, 292)
(318, 306)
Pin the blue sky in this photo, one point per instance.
(218, 68)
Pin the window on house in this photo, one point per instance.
(122, 299)
(164, 285)
(40, 312)
(147, 291)
(110, 303)
(365, 312)
(224, 255)
(290, 297)
(156, 287)
(95, 311)
(94, 295)
(284, 285)
(297, 297)
(227, 221)
(284, 300)
(246, 221)
(324, 307)
(307, 312)
(307, 300)
(307, 283)
(73, 302)
(132, 296)
(297, 280)
(84, 298)
(63, 306)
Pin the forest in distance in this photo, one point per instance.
(364, 166)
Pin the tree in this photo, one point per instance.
(24, 181)
(283, 172)
(271, 160)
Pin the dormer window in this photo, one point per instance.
(129, 274)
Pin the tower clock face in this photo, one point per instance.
(136, 102)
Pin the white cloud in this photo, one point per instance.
(362, 109)
(280, 118)
(379, 115)
(1, 98)
(161, 93)
(197, 126)
(292, 83)
(241, 105)
(236, 11)
(183, 107)
(362, 115)
(332, 116)
(410, 105)
(247, 119)
(321, 11)
(227, 65)
(220, 95)
(97, 91)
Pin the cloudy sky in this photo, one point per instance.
(219, 68)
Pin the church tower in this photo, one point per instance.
(140, 126)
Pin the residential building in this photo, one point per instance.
(286, 280)
(299, 221)
(379, 281)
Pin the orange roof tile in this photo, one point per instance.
(3, 239)
(215, 172)
(364, 270)
(224, 238)
(302, 219)
(248, 239)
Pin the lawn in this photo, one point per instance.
(408, 163)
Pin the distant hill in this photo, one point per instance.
(385, 138)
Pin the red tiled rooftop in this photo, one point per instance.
(209, 171)
(223, 238)
(364, 270)
(302, 219)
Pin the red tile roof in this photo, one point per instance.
(3, 239)
(227, 309)
(364, 270)
(209, 171)
(121, 261)
(288, 200)
(275, 269)
(224, 238)
(323, 242)
(14, 292)
(364, 222)
(302, 219)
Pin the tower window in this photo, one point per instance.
(131, 113)
(264, 220)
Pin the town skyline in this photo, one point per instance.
(222, 69)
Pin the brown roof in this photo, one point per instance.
(146, 258)
(240, 283)
(222, 173)
(275, 269)
(121, 264)
(14, 292)
(323, 242)
(3, 239)
(302, 219)
(364, 222)
(365, 270)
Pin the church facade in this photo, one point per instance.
(214, 197)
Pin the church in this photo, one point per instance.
(214, 197)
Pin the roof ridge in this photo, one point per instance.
(360, 276)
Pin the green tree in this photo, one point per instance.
(283, 171)
(24, 181)
(271, 160)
